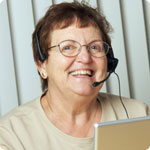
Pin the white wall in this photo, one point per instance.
(19, 81)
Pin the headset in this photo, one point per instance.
(111, 60)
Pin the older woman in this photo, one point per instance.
(72, 50)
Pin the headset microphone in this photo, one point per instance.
(98, 83)
(112, 64)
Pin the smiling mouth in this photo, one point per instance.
(87, 73)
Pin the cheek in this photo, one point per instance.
(102, 64)
(105, 64)
(101, 69)
(59, 64)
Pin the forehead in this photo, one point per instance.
(74, 32)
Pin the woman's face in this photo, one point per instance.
(71, 74)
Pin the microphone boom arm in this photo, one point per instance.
(98, 83)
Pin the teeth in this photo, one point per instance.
(84, 72)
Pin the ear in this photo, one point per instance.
(41, 66)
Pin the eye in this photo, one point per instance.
(67, 48)
(96, 47)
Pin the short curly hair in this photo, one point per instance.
(62, 15)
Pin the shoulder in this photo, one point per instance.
(15, 125)
(21, 111)
(134, 107)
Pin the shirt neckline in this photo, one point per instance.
(61, 133)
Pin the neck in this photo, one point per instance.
(72, 114)
(71, 104)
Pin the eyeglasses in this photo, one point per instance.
(72, 48)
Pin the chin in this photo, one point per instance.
(83, 91)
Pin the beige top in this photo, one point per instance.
(28, 128)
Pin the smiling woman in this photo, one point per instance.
(70, 67)
(72, 50)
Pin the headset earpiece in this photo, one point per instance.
(42, 56)
(112, 62)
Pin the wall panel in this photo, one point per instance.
(39, 8)
(60, 1)
(8, 87)
(146, 6)
(136, 49)
(22, 26)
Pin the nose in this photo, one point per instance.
(84, 56)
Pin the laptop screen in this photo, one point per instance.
(129, 134)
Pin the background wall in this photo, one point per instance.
(19, 81)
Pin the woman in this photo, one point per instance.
(72, 50)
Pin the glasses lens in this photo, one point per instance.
(69, 48)
(99, 48)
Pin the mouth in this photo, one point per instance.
(83, 73)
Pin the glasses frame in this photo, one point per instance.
(79, 50)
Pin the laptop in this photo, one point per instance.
(129, 134)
